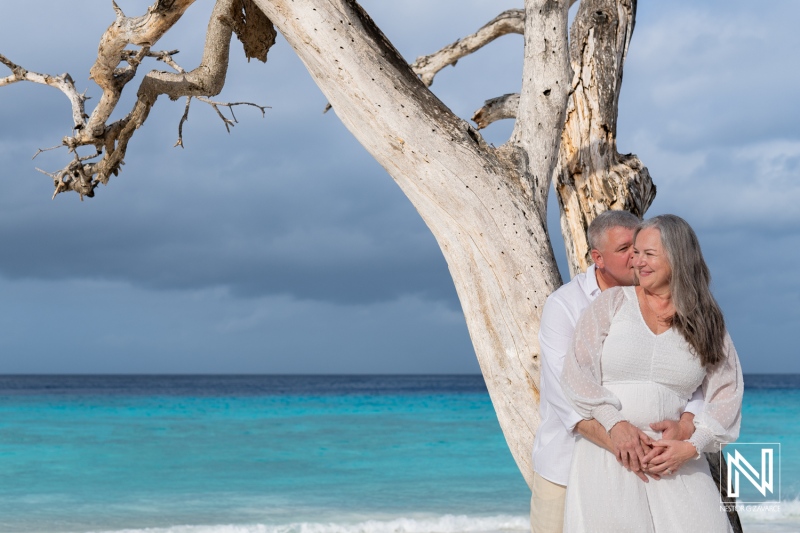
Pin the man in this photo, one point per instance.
(610, 238)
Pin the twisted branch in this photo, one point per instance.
(588, 158)
(511, 21)
(82, 175)
(142, 31)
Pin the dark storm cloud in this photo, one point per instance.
(258, 225)
(284, 247)
(290, 204)
(112, 327)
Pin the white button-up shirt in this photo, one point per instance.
(555, 438)
(552, 447)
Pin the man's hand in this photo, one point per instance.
(627, 441)
(670, 430)
(676, 430)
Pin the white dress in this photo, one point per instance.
(618, 369)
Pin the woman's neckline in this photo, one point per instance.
(641, 314)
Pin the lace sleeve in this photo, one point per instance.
(582, 377)
(723, 389)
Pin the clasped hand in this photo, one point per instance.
(647, 457)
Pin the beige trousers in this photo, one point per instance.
(547, 506)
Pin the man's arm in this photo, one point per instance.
(555, 336)
(595, 432)
(696, 403)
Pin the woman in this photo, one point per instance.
(638, 355)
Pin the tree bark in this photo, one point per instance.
(592, 176)
(485, 206)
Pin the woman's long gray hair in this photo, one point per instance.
(697, 316)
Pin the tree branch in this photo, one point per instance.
(511, 21)
(228, 122)
(64, 83)
(546, 76)
(164, 56)
(110, 141)
(496, 109)
(426, 67)
(184, 118)
(205, 80)
(142, 31)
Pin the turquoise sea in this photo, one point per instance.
(291, 454)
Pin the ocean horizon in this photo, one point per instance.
(232, 453)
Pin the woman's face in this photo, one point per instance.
(650, 260)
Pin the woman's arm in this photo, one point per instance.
(582, 380)
(721, 418)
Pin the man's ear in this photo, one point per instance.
(597, 258)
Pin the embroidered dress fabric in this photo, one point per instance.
(618, 369)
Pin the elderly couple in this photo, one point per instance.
(639, 377)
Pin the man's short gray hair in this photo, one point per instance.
(607, 220)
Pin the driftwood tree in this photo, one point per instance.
(485, 205)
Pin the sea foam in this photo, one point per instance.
(429, 524)
(771, 511)
(783, 517)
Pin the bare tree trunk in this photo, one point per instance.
(591, 176)
(485, 206)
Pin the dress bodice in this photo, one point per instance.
(632, 352)
(614, 355)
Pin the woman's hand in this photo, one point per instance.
(670, 455)
(627, 440)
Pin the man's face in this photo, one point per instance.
(615, 257)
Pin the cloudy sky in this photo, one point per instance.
(282, 247)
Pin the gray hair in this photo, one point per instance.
(606, 220)
(698, 317)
